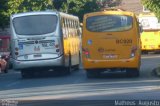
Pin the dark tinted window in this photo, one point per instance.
(109, 23)
(35, 24)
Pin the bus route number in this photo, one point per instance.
(124, 41)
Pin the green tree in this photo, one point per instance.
(80, 7)
(152, 5)
(3, 9)
(17, 6)
(76, 7)
(8, 7)
(108, 3)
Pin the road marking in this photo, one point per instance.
(148, 57)
(14, 83)
(80, 93)
(72, 89)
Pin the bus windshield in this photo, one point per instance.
(109, 23)
(35, 24)
(149, 22)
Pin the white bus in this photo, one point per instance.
(44, 39)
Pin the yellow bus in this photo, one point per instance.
(151, 32)
(111, 41)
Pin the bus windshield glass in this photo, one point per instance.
(109, 23)
(35, 24)
(149, 22)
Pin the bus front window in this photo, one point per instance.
(35, 24)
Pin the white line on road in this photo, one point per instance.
(12, 84)
(148, 57)
(82, 93)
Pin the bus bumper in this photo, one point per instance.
(18, 65)
(126, 63)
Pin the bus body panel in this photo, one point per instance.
(111, 49)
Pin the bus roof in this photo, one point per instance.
(148, 14)
(33, 13)
(68, 15)
(43, 12)
(111, 12)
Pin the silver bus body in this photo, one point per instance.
(39, 44)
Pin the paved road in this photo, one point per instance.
(77, 87)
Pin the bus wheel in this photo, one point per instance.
(7, 68)
(92, 73)
(25, 74)
(77, 67)
(133, 72)
(69, 68)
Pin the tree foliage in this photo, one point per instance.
(108, 3)
(80, 7)
(75, 7)
(3, 9)
(152, 5)
(8, 7)
(17, 6)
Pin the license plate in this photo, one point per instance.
(37, 55)
(48, 44)
(110, 56)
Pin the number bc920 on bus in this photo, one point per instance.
(111, 40)
(44, 39)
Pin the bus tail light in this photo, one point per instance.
(133, 51)
(57, 46)
(86, 52)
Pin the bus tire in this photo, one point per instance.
(69, 68)
(77, 67)
(133, 72)
(26, 74)
(92, 73)
(7, 68)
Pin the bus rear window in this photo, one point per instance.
(109, 23)
(35, 24)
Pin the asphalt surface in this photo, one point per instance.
(110, 86)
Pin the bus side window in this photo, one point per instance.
(66, 26)
(69, 27)
(63, 28)
(72, 28)
(75, 27)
